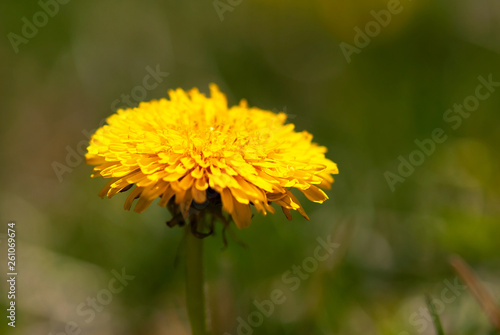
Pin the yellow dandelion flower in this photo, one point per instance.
(186, 149)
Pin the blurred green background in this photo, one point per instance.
(279, 55)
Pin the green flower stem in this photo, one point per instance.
(195, 296)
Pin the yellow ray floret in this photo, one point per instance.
(177, 149)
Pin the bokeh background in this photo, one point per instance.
(283, 56)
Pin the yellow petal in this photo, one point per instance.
(142, 204)
(201, 184)
(300, 209)
(227, 200)
(242, 215)
(315, 194)
(186, 182)
(131, 197)
(287, 213)
(198, 172)
(198, 196)
(106, 188)
(166, 196)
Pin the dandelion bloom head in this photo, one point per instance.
(190, 149)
